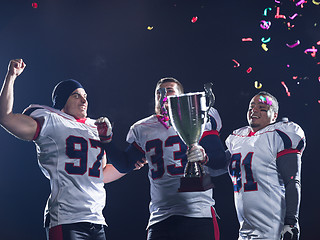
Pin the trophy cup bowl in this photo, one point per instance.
(188, 113)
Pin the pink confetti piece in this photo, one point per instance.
(313, 51)
(246, 39)
(265, 24)
(318, 43)
(194, 19)
(278, 14)
(293, 45)
(287, 90)
(295, 77)
(237, 64)
(277, 1)
(289, 25)
(35, 5)
(318, 101)
(300, 2)
(288, 65)
(249, 70)
(293, 16)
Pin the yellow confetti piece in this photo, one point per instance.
(149, 27)
(316, 3)
(257, 85)
(264, 46)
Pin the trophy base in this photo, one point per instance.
(195, 184)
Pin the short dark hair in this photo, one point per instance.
(275, 103)
(170, 79)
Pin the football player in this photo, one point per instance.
(69, 155)
(265, 169)
(173, 215)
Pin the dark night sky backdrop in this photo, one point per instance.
(105, 44)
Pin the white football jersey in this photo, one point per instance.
(69, 155)
(166, 155)
(259, 192)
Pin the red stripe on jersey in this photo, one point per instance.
(36, 135)
(287, 151)
(55, 233)
(215, 225)
(211, 132)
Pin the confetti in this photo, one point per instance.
(295, 77)
(257, 85)
(265, 40)
(318, 43)
(287, 90)
(289, 25)
(149, 27)
(194, 19)
(266, 10)
(313, 51)
(300, 2)
(265, 24)
(249, 70)
(35, 5)
(278, 14)
(277, 1)
(293, 16)
(316, 3)
(246, 39)
(293, 45)
(264, 47)
(237, 64)
(265, 100)
(288, 65)
(318, 101)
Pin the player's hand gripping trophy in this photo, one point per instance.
(188, 115)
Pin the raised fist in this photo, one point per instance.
(16, 67)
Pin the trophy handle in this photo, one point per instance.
(210, 98)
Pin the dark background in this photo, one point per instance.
(105, 44)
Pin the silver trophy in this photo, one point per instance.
(188, 115)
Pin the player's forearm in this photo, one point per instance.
(215, 151)
(293, 194)
(123, 161)
(110, 173)
(289, 167)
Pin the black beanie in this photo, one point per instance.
(62, 91)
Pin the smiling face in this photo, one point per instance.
(77, 104)
(260, 113)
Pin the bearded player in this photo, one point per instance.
(265, 169)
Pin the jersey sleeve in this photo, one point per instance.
(133, 137)
(290, 138)
(40, 115)
(214, 124)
